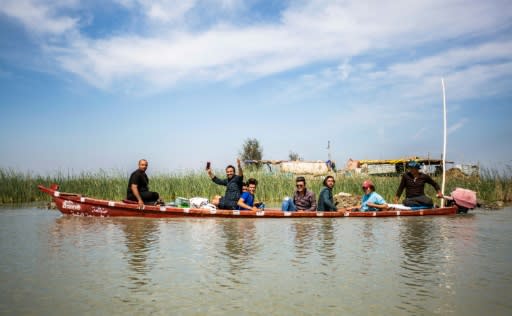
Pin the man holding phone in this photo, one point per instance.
(233, 185)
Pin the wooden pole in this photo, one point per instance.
(444, 140)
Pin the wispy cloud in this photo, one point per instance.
(460, 124)
(307, 32)
(41, 17)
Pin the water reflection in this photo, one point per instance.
(99, 237)
(76, 231)
(197, 266)
(240, 243)
(327, 245)
(141, 236)
(423, 264)
(368, 246)
(304, 233)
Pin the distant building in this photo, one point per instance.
(393, 166)
(300, 167)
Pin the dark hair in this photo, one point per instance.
(301, 179)
(252, 181)
(326, 178)
(231, 166)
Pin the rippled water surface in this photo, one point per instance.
(447, 265)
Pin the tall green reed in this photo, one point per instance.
(18, 187)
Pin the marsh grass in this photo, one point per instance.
(19, 187)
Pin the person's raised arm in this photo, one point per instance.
(240, 170)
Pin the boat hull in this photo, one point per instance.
(75, 204)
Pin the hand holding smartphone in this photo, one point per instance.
(207, 165)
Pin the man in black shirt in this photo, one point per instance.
(138, 186)
(414, 184)
(233, 185)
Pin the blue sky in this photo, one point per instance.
(86, 85)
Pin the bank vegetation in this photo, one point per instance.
(18, 187)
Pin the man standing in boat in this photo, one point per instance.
(414, 184)
(233, 185)
(138, 186)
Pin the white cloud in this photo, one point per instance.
(40, 17)
(309, 32)
(176, 11)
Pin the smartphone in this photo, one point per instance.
(207, 165)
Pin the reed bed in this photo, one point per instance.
(20, 187)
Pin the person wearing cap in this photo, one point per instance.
(413, 182)
(371, 200)
(325, 199)
(303, 199)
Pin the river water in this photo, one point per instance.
(447, 265)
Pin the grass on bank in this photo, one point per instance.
(19, 187)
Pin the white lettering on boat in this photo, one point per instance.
(397, 213)
(186, 210)
(346, 214)
(236, 212)
(82, 199)
(98, 210)
(56, 193)
(213, 211)
(287, 213)
(374, 213)
(260, 213)
(162, 208)
(319, 214)
(111, 203)
(69, 205)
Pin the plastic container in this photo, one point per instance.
(182, 202)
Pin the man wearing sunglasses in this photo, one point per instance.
(303, 199)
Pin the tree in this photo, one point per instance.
(251, 150)
(294, 156)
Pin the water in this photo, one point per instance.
(448, 265)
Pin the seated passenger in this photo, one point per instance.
(325, 198)
(138, 186)
(246, 201)
(414, 184)
(303, 199)
(371, 200)
(233, 185)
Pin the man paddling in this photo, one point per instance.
(138, 186)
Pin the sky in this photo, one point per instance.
(97, 85)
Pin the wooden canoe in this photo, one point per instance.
(76, 204)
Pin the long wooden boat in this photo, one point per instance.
(76, 204)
